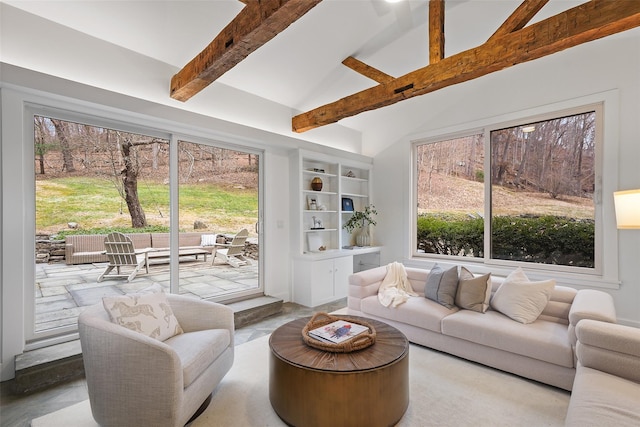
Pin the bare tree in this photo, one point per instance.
(42, 141)
(62, 134)
(130, 183)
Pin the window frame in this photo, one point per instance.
(99, 118)
(605, 271)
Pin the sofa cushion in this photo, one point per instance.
(417, 311)
(521, 299)
(147, 312)
(197, 350)
(600, 399)
(546, 341)
(441, 285)
(473, 293)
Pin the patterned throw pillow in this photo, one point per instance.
(147, 312)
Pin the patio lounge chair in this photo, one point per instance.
(121, 253)
(232, 253)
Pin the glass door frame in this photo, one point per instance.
(41, 339)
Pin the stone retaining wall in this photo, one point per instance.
(53, 251)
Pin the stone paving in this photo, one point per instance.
(63, 290)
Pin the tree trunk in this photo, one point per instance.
(522, 167)
(41, 144)
(130, 184)
(61, 132)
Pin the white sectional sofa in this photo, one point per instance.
(543, 350)
(606, 391)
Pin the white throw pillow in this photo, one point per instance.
(208, 239)
(521, 299)
(147, 312)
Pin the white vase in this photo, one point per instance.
(363, 238)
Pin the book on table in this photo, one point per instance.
(338, 332)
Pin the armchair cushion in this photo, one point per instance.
(197, 350)
(147, 312)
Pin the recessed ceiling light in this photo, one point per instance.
(393, 1)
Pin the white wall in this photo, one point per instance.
(607, 66)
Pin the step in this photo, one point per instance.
(255, 309)
(56, 364)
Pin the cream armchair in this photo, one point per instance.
(135, 380)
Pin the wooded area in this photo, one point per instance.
(555, 158)
(64, 148)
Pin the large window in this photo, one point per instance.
(518, 192)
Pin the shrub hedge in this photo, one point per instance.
(539, 239)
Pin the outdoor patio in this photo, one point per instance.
(63, 290)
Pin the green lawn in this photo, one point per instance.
(95, 204)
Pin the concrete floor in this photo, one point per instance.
(62, 290)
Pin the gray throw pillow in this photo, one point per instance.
(441, 285)
(474, 293)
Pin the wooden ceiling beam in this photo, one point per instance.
(436, 31)
(520, 17)
(367, 70)
(587, 22)
(257, 23)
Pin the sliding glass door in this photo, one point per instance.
(180, 204)
(219, 205)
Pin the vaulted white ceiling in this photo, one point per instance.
(299, 69)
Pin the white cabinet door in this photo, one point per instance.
(322, 280)
(342, 269)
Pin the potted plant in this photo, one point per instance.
(360, 220)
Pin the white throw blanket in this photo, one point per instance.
(395, 288)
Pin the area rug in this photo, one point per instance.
(445, 391)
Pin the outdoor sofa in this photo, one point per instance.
(543, 350)
(84, 249)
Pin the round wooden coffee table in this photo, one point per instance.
(310, 387)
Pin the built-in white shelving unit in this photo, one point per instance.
(325, 256)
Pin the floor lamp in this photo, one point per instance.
(627, 205)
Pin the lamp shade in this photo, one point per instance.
(627, 204)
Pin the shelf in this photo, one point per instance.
(320, 174)
(309, 230)
(348, 178)
(336, 186)
(328, 193)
